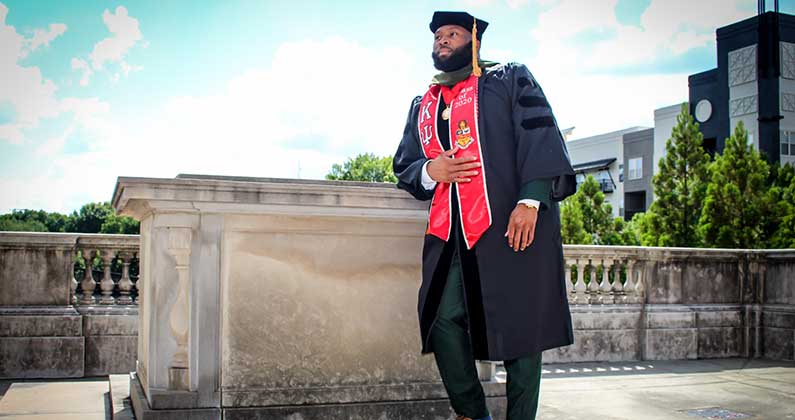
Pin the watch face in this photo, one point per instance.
(703, 110)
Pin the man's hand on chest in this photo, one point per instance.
(445, 168)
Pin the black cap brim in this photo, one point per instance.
(462, 19)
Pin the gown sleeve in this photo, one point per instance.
(537, 189)
(541, 151)
(409, 158)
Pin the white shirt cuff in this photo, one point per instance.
(427, 182)
(531, 202)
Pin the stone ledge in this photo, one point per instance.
(38, 240)
(344, 395)
(436, 409)
(110, 324)
(40, 325)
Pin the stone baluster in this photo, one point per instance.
(604, 286)
(73, 285)
(88, 284)
(179, 248)
(593, 285)
(569, 285)
(639, 286)
(630, 294)
(125, 284)
(139, 287)
(106, 285)
(579, 287)
(618, 288)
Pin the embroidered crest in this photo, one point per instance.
(463, 136)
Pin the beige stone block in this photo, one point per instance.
(321, 303)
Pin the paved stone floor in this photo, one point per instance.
(670, 390)
(65, 399)
(656, 390)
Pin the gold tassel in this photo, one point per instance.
(475, 67)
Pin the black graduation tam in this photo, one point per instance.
(462, 19)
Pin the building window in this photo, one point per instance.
(787, 141)
(635, 168)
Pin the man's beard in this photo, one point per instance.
(459, 58)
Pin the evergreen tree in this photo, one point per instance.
(365, 167)
(679, 188)
(597, 216)
(572, 229)
(736, 199)
(627, 232)
(780, 217)
(646, 227)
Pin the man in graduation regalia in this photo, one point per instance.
(483, 145)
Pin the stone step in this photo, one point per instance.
(78, 399)
(121, 406)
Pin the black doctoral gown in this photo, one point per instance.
(516, 301)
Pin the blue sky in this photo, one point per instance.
(100, 89)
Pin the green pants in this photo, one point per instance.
(453, 352)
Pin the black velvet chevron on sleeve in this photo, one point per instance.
(541, 151)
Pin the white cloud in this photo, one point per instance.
(125, 34)
(44, 37)
(82, 65)
(267, 121)
(31, 96)
(576, 73)
(597, 104)
(664, 30)
(294, 117)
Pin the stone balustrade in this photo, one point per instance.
(261, 297)
(51, 325)
(268, 298)
(120, 249)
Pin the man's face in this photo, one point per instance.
(448, 39)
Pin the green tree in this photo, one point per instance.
(120, 224)
(645, 227)
(586, 218)
(572, 229)
(364, 167)
(780, 218)
(627, 232)
(90, 218)
(10, 223)
(679, 188)
(56, 222)
(736, 199)
(597, 215)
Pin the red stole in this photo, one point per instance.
(473, 199)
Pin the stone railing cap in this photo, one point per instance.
(138, 196)
(57, 240)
